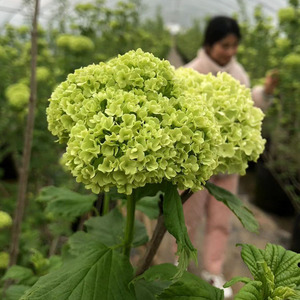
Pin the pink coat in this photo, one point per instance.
(204, 64)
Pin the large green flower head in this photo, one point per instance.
(236, 117)
(135, 120)
(126, 123)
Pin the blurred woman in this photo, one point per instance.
(221, 42)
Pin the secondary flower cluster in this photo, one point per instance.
(135, 120)
(239, 122)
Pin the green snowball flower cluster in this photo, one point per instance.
(239, 121)
(4, 260)
(75, 43)
(283, 43)
(42, 74)
(135, 120)
(286, 14)
(5, 219)
(292, 60)
(17, 95)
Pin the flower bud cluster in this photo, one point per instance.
(238, 120)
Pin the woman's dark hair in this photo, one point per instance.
(218, 28)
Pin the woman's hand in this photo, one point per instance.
(271, 82)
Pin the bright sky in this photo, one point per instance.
(181, 12)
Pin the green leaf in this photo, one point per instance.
(163, 272)
(251, 255)
(148, 290)
(149, 190)
(149, 206)
(235, 205)
(81, 242)
(140, 234)
(161, 280)
(18, 273)
(154, 280)
(109, 229)
(284, 264)
(236, 279)
(283, 293)
(62, 202)
(55, 262)
(100, 273)
(15, 292)
(250, 291)
(175, 224)
(275, 268)
(191, 287)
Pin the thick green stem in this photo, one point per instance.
(129, 230)
(106, 204)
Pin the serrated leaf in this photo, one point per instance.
(175, 224)
(62, 202)
(191, 287)
(236, 279)
(101, 273)
(283, 293)
(275, 268)
(15, 292)
(284, 264)
(109, 229)
(148, 290)
(251, 255)
(250, 291)
(188, 286)
(18, 273)
(163, 272)
(235, 205)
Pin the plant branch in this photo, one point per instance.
(156, 239)
(23, 176)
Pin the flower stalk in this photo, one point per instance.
(106, 204)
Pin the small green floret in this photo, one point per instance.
(135, 120)
(286, 14)
(17, 95)
(5, 219)
(75, 43)
(4, 260)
